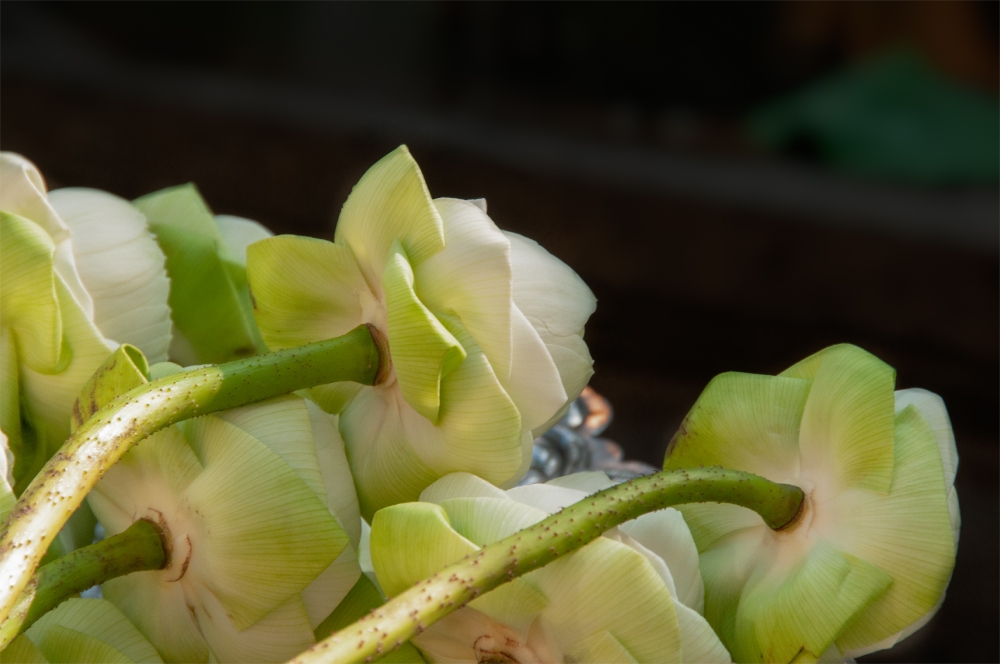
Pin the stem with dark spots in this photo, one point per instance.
(68, 476)
(138, 548)
(409, 613)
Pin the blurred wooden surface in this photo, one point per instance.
(686, 290)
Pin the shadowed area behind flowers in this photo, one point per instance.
(686, 289)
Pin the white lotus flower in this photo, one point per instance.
(80, 275)
(81, 631)
(260, 508)
(868, 560)
(634, 595)
(484, 328)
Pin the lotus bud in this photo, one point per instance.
(83, 631)
(206, 261)
(484, 332)
(633, 595)
(868, 559)
(80, 275)
(257, 506)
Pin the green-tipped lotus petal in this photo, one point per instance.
(616, 599)
(82, 631)
(81, 274)
(206, 260)
(484, 330)
(868, 559)
(260, 510)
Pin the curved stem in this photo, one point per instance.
(409, 613)
(68, 476)
(136, 549)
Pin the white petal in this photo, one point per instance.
(666, 534)
(934, 412)
(23, 193)
(341, 497)
(535, 384)
(589, 482)
(238, 234)
(326, 591)
(121, 266)
(471, 276)
(546, 497)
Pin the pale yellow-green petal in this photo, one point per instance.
(487, 520)
(931, 407)
(460, 485)
(699, 643)
(907, 534)
(27, 292)
(276, 637)
(786, 609)
(472, 275)
(123, 370)
(847, 423)
(341, 497)
(121, 267)
(634, 604)
(603, 648)
(304, 290)
(378, 427)
(326, 591)
(430, 544)
(665, 533)
(48, 398)
(23, 651)
(390, 203)
(744, 421)
(23, 194)
(423, 350)
(264, 534)
(99, 620)
(284, 425)
(68, 645)
(159, 609)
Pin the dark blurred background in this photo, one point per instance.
(740, 184)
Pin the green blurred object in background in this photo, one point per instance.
(891, 117)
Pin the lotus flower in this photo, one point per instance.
(80, 275)
(867, 561)
(484, 329)
(259, 506)
(81, 630)
(633, 595)
(206, 260)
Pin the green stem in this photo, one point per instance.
(68, 476)
(136, 549)
(409, 613)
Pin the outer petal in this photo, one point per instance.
(390, 203)
(743, 421)
(791, 607)
(847, 424)
(341, 497)
(304, 290)
(99, 620)
(48, 398)
(7, 497)
(326, 591)
(23, 194)
(557, 303)
(423, 350)
(634, 604)
(666, 534)
(208, 309)
(22, 651)
(931, 407)
(589, 482)
(278, 636)
(27, 292)
(907, 534)
(460, 485)
(699, 642)
(430, 544)
(535, 384)
(238, 234)
(472, 276)
(264, 534)
(121, 266)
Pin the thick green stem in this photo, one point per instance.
(138, 548)
(409, 613)
(68, 476)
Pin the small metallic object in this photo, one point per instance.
(574, 445)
